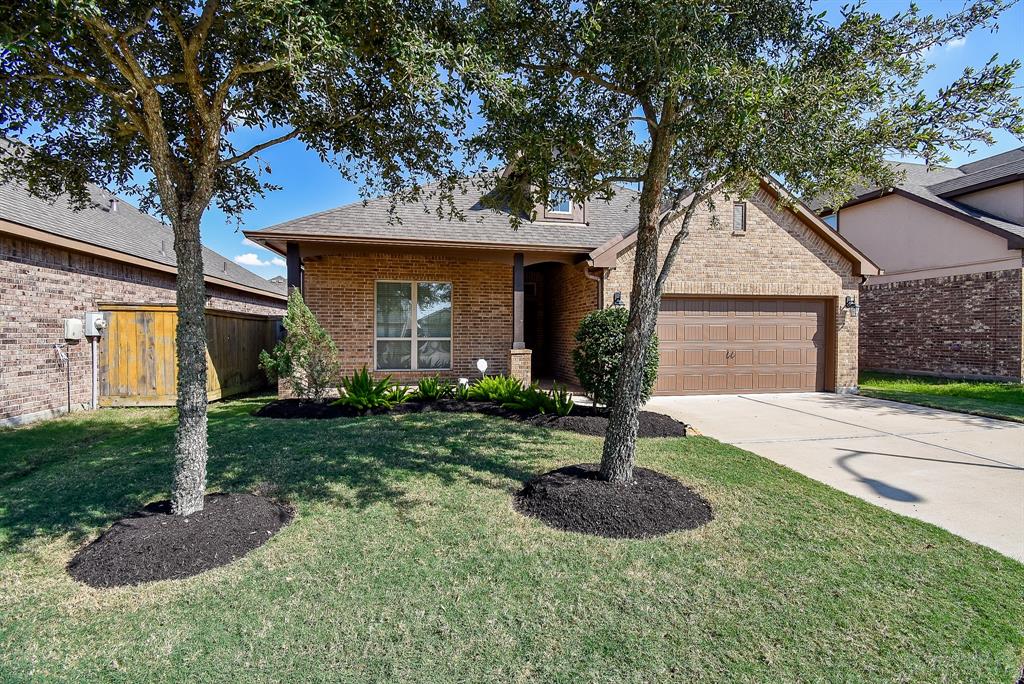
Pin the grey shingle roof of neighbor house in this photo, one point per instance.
(939, 186)
(127, 230)
(373, 220)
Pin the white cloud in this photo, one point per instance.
(278, 261)
(250, 259)
(956, 43)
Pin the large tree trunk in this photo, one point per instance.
(190, 438)
(620, 438)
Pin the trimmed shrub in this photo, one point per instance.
(598, 354)
(306, 357)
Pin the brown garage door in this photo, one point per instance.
(709, 346)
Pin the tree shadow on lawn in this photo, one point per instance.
(120, 466)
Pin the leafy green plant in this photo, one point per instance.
(496, 388)
(461, 391)
(306, 357)
(398, 394)
(433, 389)
(362, 392)
(531, 399)
(561, 400)
(598, 354)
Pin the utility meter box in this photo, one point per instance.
(72, 329)
(95, 323)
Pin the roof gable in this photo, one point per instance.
(127, 231)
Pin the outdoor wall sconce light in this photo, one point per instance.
(617, 299)
(851, 304)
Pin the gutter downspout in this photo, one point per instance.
(599, 279)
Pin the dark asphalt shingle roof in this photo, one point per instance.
(415, 221)
(938, 185)
(127, 230)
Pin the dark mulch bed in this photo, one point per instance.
(154, 545)
(575, 499)
(584, 420)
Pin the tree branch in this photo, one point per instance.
(237, 71)
(580, 74)
(255, 149)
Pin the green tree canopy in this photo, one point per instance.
(692, 99)
(112, 91)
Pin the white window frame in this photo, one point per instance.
(415, 339)
(571, 211)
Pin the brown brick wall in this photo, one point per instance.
(339, 289)
(572, 295)
(41, 285)
(957, 326)
(778, 256)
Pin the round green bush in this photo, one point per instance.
(598, 354)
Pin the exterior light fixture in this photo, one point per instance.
(617, 299)
(481, 365)
(851, 304)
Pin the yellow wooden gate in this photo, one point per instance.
(137, 356)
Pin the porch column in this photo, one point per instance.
(518, 301)
(294, 267)
(519, 356)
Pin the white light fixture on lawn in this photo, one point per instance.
(481, 365)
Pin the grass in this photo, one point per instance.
(1003, 400)
(406, 562)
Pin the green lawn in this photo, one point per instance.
(406, 562)
(994, 399)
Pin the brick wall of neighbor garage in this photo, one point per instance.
(958, 326)
(571, 296)
(40, 286)
(777, 257)
(340, 290)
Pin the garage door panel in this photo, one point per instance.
(693, 332)
(721, 345)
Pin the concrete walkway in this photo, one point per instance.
(961, 472)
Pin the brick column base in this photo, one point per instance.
(284, 389)
(520, 365)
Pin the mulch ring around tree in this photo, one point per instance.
(584, 420)
(154, 545)
(575, 499)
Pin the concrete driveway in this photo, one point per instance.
(961, 472)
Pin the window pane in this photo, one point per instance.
(434, 354)
(434, 310)
(559, 203)
(394, 309)
(394, 355)
(739, 218)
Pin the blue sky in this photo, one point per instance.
(310, 186)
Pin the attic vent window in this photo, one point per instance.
(559, 203)
(739, 218)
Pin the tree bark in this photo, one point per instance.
(190, 438)
(620, 438)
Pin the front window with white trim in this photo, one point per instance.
(413, 325)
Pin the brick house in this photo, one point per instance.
(758, 299)
(951, 242)
(56, 263)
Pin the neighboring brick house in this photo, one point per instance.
(950, 241)
(757, 302)
(56, 263)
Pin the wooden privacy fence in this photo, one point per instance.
(137, 358)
